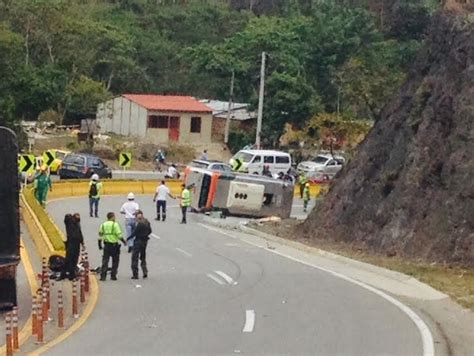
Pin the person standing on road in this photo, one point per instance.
(129, 208)
(185, 202)
(141, 235)
(73, 245)
(41, 186)
(162, 192)
(110, 234)
(95, 191)
(302, 180)
(306, 197)
(204, 156)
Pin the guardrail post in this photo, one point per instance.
(39, 328)
(75, 313)
(8, 328)
(60, 309)
(16, 344)
(34, 315)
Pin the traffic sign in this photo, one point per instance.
(125, 159)
(237, 164)
(26, 163)
(49, 157)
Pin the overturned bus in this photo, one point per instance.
(239, 194)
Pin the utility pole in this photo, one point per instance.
(229, 109)
(260, 102)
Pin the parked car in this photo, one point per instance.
(254, 160)
(79, 165)
(211, 165)
(56, 165)
(322, 167)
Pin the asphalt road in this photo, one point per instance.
(208, 293)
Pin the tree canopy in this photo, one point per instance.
(322, 56)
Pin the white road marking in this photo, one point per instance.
(215, 279)
(155, 236)
(426, 336)
(226, 277)
(249, 321)
(183, 252)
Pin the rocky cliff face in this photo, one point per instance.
(410, 188)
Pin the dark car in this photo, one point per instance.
(79, 165)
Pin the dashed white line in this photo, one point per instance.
(155, 236)
(249, 321)
(183, 252)
(215, 279)
(226, 277)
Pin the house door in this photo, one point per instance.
(173, 132)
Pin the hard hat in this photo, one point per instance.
(43, 168)
(95, 176)
(131, 196)
(307, 185)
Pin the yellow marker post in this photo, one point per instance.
(125, 161)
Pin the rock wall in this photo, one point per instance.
(410, 188)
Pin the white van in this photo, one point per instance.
(254, 160)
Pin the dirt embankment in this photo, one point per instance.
(409, 191)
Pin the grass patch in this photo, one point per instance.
(52, 231)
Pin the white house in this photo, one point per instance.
(157, 118)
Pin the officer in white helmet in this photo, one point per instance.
(95, 191)
(129, 208)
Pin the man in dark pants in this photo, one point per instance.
(141, 234)
(162, 192)
(185, 202)
(110, 234)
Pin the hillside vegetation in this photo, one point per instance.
(59, 58)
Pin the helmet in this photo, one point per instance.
(307, 185)
(95, 176)
(131, 196)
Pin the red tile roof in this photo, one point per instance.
(168, 103)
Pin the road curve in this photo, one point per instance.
(209, 293)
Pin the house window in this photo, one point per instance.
(157, 122)
(196, 124)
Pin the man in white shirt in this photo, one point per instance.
(129, 208)
(162, 192)
(172, 172)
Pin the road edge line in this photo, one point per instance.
(93, 298)
(425, 332)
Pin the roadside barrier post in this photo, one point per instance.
(60, 309)
(34, 316)
(16, 344)
(75, 313)
(44, 272)
(82, 288)
(39, 328)
(44, 306)
(86, 272)
(9, 341)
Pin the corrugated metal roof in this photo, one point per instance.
(239, 111)
(168, 103)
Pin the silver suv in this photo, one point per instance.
(322, 167)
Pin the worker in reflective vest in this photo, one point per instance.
(110, 234)
(302, 180)
(185, 201)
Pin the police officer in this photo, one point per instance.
(110, 234)
(141, 234)
(185, 202)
